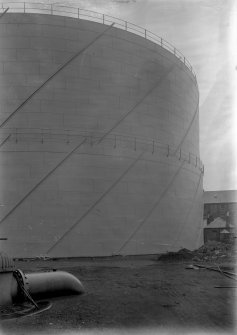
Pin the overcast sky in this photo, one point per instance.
(206, 33)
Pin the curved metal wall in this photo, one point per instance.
(104, 158)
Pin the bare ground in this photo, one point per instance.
(134, 294)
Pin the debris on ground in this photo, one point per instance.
(133, 293)
(181, 255)
(192, 267)
(217, 268)
(212, 251)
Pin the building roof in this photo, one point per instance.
(224, 231)
(214, 197)
(217, 223)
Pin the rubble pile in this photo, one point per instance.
(181, 255)
(213, 251)
(210, 251)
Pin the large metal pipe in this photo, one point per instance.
(55, 283)
(14, 285)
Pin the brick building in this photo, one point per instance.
(220, 215)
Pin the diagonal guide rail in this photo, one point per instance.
(85, 14)
(76, 223)
(4, 12)
(104, 136)
(5, 140)
(53, 75)
(25, 102)
(137, 103)
(41, 181)
(151, 210)
(189, 210)
(69, 154)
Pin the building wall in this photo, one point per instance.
(134, 185)
(219, 234)
(227, 211)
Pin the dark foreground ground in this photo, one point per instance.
(143, 296)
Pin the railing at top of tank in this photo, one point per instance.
(61, 10)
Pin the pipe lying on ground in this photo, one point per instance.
(55, 283)
(17, 286)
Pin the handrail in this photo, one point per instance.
(60, 68)
(85, 14)
(47, 135)
(4, 12)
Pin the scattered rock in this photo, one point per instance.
(211, 251)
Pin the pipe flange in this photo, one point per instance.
(22, 282)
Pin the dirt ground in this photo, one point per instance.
(140, 295)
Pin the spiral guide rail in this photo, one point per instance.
(54, 9)
(84, 14)
(17, 139)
